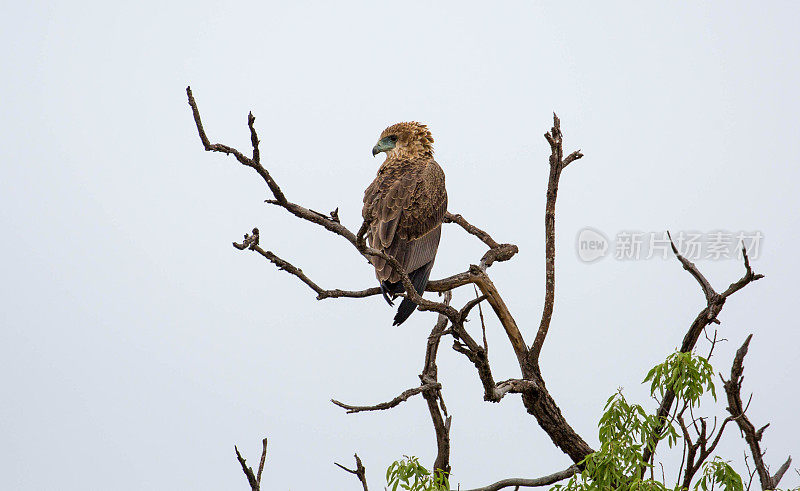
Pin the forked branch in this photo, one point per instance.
(707, 316)
(698, 451)
(360, 472)
(252, 478)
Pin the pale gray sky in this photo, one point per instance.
(139, 346)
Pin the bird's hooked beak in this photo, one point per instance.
(383, 145)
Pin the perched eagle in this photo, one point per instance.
(404, 207)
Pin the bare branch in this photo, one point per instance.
(531, 483)
(712, 342)
(707, 452)
(476, 354)
(535, 396)
(251, 242)
(750, 473)
(483, 322)
(389, 404)
(696, 453)
(571, 158)
(360, 472)
(749, 277)
(248, 471)
(481, 279)
(471, 229)
(733, 389)
(433, 396)
(776, 478)
(689, 266)
(263, 459)
(253, 138)
(691, 451)
(254, 163)
(557, 164)
(465, 310)
(686, 445)
(496, 252)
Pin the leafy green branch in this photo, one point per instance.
(689, 376)
(408, 474)
(719, 473)
(625, 428)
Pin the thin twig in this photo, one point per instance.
(483, 323)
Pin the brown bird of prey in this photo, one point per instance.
(404, 207)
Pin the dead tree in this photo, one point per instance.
(530, 383)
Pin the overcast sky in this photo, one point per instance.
(138, 346)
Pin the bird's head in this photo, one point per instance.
(405, 140)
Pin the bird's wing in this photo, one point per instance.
(405, 206)
(427, 206)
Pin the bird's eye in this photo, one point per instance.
(392, 138)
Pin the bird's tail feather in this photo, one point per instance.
(419, 278)
(386, 290)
